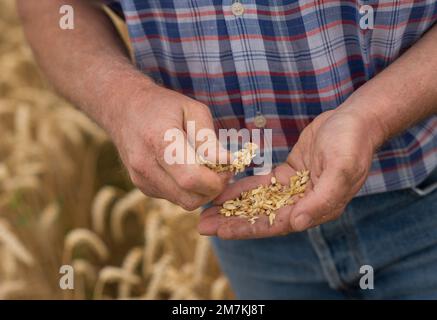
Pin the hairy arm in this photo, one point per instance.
(402, 95)
(90, 66)
(85, 64)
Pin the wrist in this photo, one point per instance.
(375, 127)
(119, 96)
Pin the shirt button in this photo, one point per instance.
(260, 121)
(237, 8)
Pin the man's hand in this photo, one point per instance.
(139, 136)
(99, 78)
(337, 149)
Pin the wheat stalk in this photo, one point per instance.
(121, 209)
(82, 122)
(218, 288)
(100, 207)
(48, 217)
(84, 237)
(15, 247)
(113, 274)
(159, 270)
(46, 180)
(131, 262)
(201, 259)
(9, 264)
(11, 289)
(84, 273)
(151, 236)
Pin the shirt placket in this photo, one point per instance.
(237, 14)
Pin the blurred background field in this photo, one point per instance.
(65, 199)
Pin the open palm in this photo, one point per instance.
(337, 149)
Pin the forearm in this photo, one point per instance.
(403, 94)
(89, 65)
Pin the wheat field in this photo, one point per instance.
(65, 200)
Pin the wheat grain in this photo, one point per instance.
(241, 159)
(266, 200)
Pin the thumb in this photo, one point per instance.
(324, 202)
(201, 134)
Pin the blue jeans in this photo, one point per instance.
(395, 233)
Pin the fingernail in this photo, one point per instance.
(302, 222)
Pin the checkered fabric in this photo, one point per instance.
(289, 60)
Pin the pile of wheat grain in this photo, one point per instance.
(64, 201)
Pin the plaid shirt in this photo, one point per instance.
(289, 60)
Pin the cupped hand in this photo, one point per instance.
(337, 149)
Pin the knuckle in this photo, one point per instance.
(187, 181)
(150, 192)
(352, 170)
(347, 169)
(136, 162)
(332, 206)
(136, 180)
(139, 181)
(189, 204)
(332, 216)
(361, 171)
(158, 146)
(202, 108)
(335, 213)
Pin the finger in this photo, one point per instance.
(226, 177)
(209, 221)
(283, 173)
(327, 198)
(296, 159)
(161, 185)
(212, 223)
(194, 177)
(199, 127)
